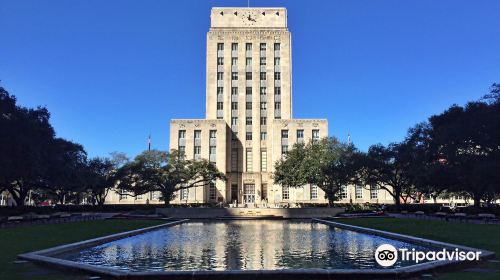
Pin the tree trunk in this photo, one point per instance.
(397, 201)
(477, 201)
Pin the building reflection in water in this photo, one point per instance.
(239, 245)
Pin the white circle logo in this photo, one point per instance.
(386, 255)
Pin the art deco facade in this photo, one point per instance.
(248, 124)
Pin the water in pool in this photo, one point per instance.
(240, 245)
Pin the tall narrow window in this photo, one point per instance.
(343, 192)
(212, 191)
(249, 105)
(234, 121)
(248, 46)
(182, 134)
(234, 46)
(234, 160)
(314, 192)
(277, 46)
(248, 136)
(234, 91)
(277, 91)
(373, 192)
(234, 61)
(300, 134)
(248, 91)
(248, 76)
(234, 105)
(277, 105)
(263, 135)
(284, 134)
(359, 192)
(263, 105)
(220, 46)
(220, 90)
(249, 160)
(277, 76)
(262, 61)
(248, 61)
(220, 75)
(263, 121)
(277, 61)
(315, 135)
(262, 46)
(262, 76)
(220, 61)
(285, 195)
(263, 160)
(264, 191)
(284, 151)
(234, 76)
(263, 91)
(248, 121)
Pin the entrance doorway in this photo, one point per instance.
(249, 193)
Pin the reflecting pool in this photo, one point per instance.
(240, 245)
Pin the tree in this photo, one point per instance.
(328, 164)
(99, 178)
(388, 169)
(66, 164)
(167, 173)
(25, 136)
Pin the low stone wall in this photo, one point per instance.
(212, 213)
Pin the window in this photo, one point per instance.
(197, 134)
(248, 121)
(212, 150)
(359, 192)
(277, 105)
(248, 91)
(300, 134)
(263, 61)
(234, 46)
(182, 134)
(212, 191)
(263, 105)
(220, 46)
(248, 76)
(234, 91)
(285, 195)
(182, 151)
(234, 121)
(284, 150)
(263, 120)
(343, 192)
(263, 135)
(219, 76)
(220, 61)
(184, 194)
(373, 192)
(234, 61)
(264, 191)
(248, 46)
(248, 61)
(262, 46)
(315, 135)
(263, 160)
(234, 136)
(277, 46)
(197, 151)
(213, 134)
(154, 195)
(284, 134)
(263, 91)
(220, 105)
(234, 160)
(249, 160)
(248, 136)
(220, 90)
(277, 90)
(277, 76)
(263, 76)
(277, 61)
(248, 105)
(234, 76)
(314, 192)
(234, 105)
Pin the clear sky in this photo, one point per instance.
(111, 72)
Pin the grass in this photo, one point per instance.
(15, 241)
(474, 235)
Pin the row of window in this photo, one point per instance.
(197, 144)
(248, 46)
(358, 192)
(248, 61)
(248, 76)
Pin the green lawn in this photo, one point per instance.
(26, 239)
(478, 236)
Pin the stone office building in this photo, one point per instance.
(248, 124)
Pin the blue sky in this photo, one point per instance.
(112, 72)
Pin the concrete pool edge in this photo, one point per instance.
(46, 257)
(423, 267)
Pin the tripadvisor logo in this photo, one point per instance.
(387, 255)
